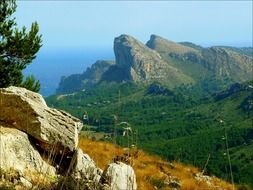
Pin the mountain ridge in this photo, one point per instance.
(168, 62)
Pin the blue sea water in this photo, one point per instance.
(51, 64)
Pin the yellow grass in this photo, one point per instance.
(150, 170)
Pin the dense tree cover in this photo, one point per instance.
(182, 125)
(17, 48)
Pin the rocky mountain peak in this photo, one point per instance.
(141, 62)
(126, 48)
(165, 61)
(163, 45)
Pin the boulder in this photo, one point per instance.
(28, 112)
(18, 154)
(85, 167)
(31, 135)
(83, 173)
(118, 176)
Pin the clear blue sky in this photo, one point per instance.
(94, 24)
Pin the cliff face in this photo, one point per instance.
(222, 62)
(144, 64)
(227, 64)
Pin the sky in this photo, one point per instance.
(94, 24)
(77, 33)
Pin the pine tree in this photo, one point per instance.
(17, 48)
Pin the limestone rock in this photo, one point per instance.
(27, 184)
(83, 173)
(163, 45)
(178, 51)
(119, 176)
(144, 64)
(17, 153)
(28, 112)
(85, 167)
(28, 127)
(203, 178)
(227, 64)
(173, 182)
(222, 62)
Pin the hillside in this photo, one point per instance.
(88, 78)
(172, 123)
(151, 171)
(44, 148)
(163, 45)
(224, 63)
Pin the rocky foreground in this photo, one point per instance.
(38, 148)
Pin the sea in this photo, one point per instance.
(51, 64)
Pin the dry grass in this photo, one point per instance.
(151, 171)
(10, 180)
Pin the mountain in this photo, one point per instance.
(170, 63)
(228, 64)
(163, 45)
(88, 78)
(191, 45)
(248, 51)
(142, 64)
(221, 63)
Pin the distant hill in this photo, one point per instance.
(163, 45)
(222, 63)
(180, 124)
(165, 61)
(192, 45)
(244, 50)
(88, 78)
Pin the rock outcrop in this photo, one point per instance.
(144, 64)
(17, 152)
(224, 63)
(28, 112)
(36, 140)
(88, 78)
(119, 176)
(163, 45)
(85, 169)
(227, 64)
